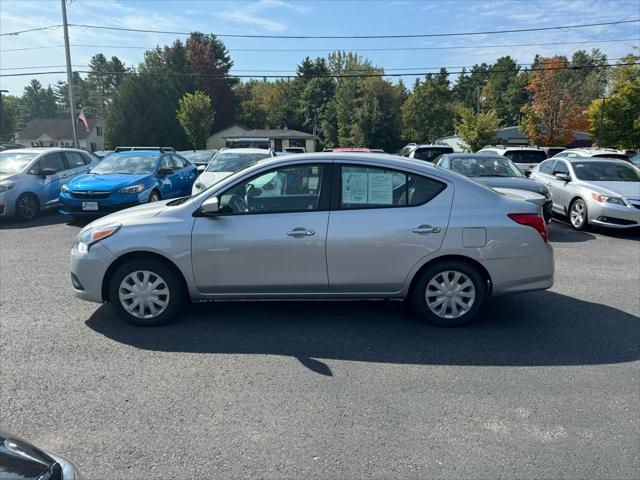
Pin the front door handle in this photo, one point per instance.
(423, 229)
(300, 232)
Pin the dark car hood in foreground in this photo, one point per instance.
(513, 182)
(19, 460)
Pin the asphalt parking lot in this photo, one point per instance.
(544, 385)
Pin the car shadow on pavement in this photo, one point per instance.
(533, 329)
(48, 217)
(560, 232)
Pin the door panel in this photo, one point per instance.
(374, 249)
(260, 253)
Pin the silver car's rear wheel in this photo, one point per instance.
(144, 294)
(450, 294)
(578, 214)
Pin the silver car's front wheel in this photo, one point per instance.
(450, 294)
(147, 291)
(578, 214)
(144, 294)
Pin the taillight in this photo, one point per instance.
(532, 220)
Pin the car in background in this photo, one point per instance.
(126, 179)
(525, 158)
(588, 152)
(552, 151)
(348, 150)
(497, 172)
(31, 178)
(227, 162)
(426, 152)
(9, 146)
(131, 149)
(198, 157)
(295, 150)
(593, 191)
(337, 226)
(102, 153)
(21, 460)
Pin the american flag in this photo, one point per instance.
(83, 120)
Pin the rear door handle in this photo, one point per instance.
(300, 232)
(424, 229)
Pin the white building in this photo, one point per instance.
(57, 132)
(277, 138)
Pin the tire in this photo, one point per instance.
(27, 207)
(150, 271)
(154, 196)
(578, 214)
(439, 304)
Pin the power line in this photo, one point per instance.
(393, 49)
(359, 75)
(30, 30)
(325, 37)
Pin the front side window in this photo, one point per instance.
(167, 163)
(373, 187)
(126, 164)
(561, 167)
(53, 161)
(287, 189)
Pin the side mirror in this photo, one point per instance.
(201, 168)
(210, 206)
(46, 172)
(163, 172)
(562, 176)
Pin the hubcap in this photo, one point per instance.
(144, 294)
(154, 198)
(450, 294)
(577, 214)
(27, 207)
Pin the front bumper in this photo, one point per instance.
(7, 203)
(613, 216)
(89, 270)
(70, 205)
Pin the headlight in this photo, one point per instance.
(199, 186)
(6, 186)
(94, 235)
(606, 199)
(132, 189)
(65, 189)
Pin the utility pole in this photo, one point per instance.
(72, 106)
(2, 115)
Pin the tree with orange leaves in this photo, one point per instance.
(552, 115)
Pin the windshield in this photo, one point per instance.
(126, 164)
(197, 157)
(232, 162)
(485, 167)
(605, 172)
(526, 156)
(14, 162)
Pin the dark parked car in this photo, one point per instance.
(495, 171)
(20, 460)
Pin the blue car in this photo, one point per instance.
(127, 179)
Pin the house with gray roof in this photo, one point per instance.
(57, 132)
(275, 138)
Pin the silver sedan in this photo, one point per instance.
(597, 191)
(324, 225)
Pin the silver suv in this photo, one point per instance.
(592, 152)
(426, 152)
(526, 158)
(31, 178)
(322, 225)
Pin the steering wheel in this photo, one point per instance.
(237, 204)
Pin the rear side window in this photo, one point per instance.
(526, 156)
(372, 187)
(75, 159)
(547, 167)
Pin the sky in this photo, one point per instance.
(312, 17)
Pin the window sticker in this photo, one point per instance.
(354, 187)
(380, 188)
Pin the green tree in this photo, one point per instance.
(81, 94)
(428, 112)
(195, 115)
(103, 79)
(616, 121)
(38, 102)
(477, 129)
(504, 92)
(10, 119)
